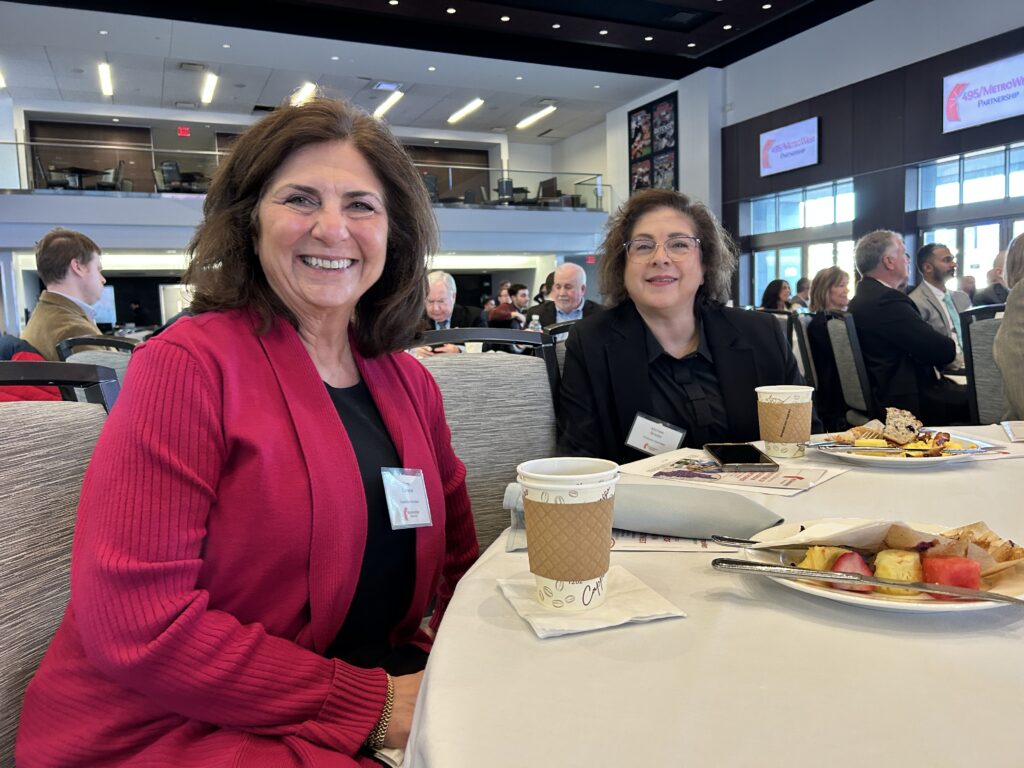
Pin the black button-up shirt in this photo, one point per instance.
(685, 392)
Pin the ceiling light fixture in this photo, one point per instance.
(727, 27)
(691, 45)
(225, 45)
(649, 38)
(104, 32)
(106, 81)
(526, 122)
(335, 58)
(450, 11)
(474, 105)
(388, 103)
(506, 18)
(392, 2)
(115, 119)
(209, 86)
(597, 86)
(431, 69)
(603, 32)
(766, 7)
(556, 26)
(519, 77)
(303, 94)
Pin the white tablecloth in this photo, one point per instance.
(758, 675)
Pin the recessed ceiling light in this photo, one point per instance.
(691, 45)
(225, 45)
(519, 77)
(603, 32)
(431, 69)
(437, 141)
(115, 119)
(526, 122)
(104, 32)
(450, 11)
(556, 26)
(649, 38)
(506, 18)
(388, 103)
(335, 58)
(303, 94)
(766, 6)
(209, 86)
(727, 27)
(472, 106)
(106, 80)
(392, 2)
(597, 86)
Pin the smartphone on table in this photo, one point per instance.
(739, 457)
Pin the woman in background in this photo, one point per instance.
(829, 297)
(776, 295)
(1009, 344)
(242, 595)
(667, 347)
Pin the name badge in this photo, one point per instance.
(652, 436)
(406, 496)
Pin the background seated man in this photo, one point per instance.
(940, 307)
(901, 351)
(567, 297)
(443, 313)
(69, 265)
(997, 290)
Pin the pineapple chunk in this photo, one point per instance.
(821, 558)
(898, 565)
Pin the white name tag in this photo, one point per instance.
(652, 436)
(406, 496)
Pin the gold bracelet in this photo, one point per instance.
(376, 738)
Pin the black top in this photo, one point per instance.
(387, 574)
(828, 397)
(685, 392)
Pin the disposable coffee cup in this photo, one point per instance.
(569, 529)
(575, 469)
(784, 417)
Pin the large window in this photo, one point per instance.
(788, 264)
(815, 206)
(991, 174)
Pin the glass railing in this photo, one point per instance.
(72, 167)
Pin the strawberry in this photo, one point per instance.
(852, 562)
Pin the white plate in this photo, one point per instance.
(904, 462)
(866, 599)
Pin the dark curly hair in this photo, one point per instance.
(225, 271)
(717, 251)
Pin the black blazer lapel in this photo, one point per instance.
(737, 370)
(626, 358)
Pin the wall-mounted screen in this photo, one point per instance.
(791, 146)
(984, 94)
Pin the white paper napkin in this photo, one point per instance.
(628, 600)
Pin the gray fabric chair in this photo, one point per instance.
(44, 450)
(501, 413)
(853, 375)
(802, 349)
(986, 402)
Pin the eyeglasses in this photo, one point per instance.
(676, 248)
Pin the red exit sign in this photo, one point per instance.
(184, 131)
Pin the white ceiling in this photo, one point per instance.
(49, 58)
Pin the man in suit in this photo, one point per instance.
(568, 298)
(69, 265)
(940, 307)
(443, 313)
(996, 291)
(901, 351)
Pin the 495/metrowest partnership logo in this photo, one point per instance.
(990, 92)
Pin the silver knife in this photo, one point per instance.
(792, 572)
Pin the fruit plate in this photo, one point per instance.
(871, 600)
(905, 462)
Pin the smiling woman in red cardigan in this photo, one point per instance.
(239, 593)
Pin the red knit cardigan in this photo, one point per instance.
(219, 541)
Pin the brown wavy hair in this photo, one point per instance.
(717, 250)
(225, 271)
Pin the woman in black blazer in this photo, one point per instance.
(667, 348)
(829, 297)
